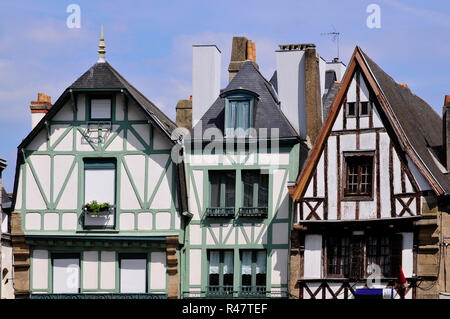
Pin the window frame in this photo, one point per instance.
(221, 266)
(239, 98)
(369, 107)
(363, 240)
(256, 191)
(358, 109)
(63, 255)
(254, 255)
(222, 192)
(133, 256)
(345, 175)
(91, 97)
(101, 163)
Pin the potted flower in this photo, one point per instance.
(94, 208)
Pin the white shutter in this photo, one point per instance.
(133, 275)
(100, 109)
(66, 275)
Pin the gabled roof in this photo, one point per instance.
(267, 111)
(417, 126)
(104, 76)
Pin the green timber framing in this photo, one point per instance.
(291, 147)
(98, 151)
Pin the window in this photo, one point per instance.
(220, 272)
(253, 272)
(386, 253)
(100, 185)
(133, 273)
(100, 109)
(354, 109)
(255, 187)
(345, 255)
(338, 256)
(66, 273)
(364, 109)
(238, 116)
(359, 175)
(222, 193)
(351, 109)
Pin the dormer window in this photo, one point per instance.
(238, 115)
(100, 109)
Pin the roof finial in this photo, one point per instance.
(101, 49)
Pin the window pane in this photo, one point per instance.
(228, 262)
(215, 189)
(263, 190)
(359, 175)
(133, 275)
(364, 108)
(243, 115)
(351, 109)
(246, 263)
(261, 262)
(230, 189)
(66, 275)
(214, 260)
(100, 185)
(248, 180)
(100, 109)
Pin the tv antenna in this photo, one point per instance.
(334, 37)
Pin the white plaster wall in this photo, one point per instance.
(90, 269)
(69, 198)
(407, 254)
(61, 166)
(313, 256)
(69, 221)
(145, 221)
(195, 234)
(280, 233)
(279, 266)
(33, 221)
(108, 270)
(158, 273)
(136, 165)
(385, 202)
(195, 266)
(163, 220)
(34, 198)
(160, 142)
(39, 142)
(198, 179)
(65, 113)
(40, 269)
(128, 198)
(51, 221)
(126, 221)
(332, 178)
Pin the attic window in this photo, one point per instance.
(364, 109)
(238, 115)
(100, 109)
(351, 109)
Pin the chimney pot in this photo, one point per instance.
(39, 108)
(447, 100)
(242, 50)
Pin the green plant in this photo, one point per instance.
(95, 207)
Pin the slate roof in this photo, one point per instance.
(267, 111)
(328, 98)
(104, 76)
(419, 121)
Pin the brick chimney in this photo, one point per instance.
(39, 108)
(242, 50)
(184, 113)
(446, 130)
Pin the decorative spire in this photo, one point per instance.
(101, 49)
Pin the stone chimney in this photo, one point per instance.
(299, 88)
(184, 113)
(446, 130)
(39, 108)
(242, 50)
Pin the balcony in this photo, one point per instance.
(220, 212)
(253, 212)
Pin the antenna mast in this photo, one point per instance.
(334, 37)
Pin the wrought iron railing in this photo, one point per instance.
(219, 292)
(253, 291)
(257, 212)
(224, 212)
(99, 296)
(228, 292)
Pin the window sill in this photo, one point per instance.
(97, 230)
(357, 198)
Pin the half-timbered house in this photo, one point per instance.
(246, 143)
(96, 210)
(371, 203)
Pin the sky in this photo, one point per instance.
(150, 44)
